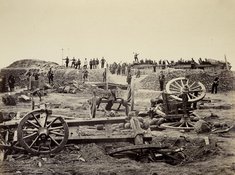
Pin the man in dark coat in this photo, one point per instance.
(102, 62)
(67, 61)
(161, 80)
(111, 98)
(11, 82)
(97, 62)
(128, 79)
(73, 62)
(104, 75)
(50, 76)
(91, 64)
(215, 85)
(78, 63)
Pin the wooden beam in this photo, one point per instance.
(135, 147)
(76, 122)
(132, 93)
(138, 131)
(113, 138)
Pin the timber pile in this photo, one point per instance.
(226, 79)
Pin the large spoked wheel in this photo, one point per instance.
(184, 124)
(196, 90)
(38, 135)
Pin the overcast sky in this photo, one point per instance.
(157, 29)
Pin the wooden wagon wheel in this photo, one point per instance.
(38, 135)
(184, 124)
(196, 90)
(149, 150)
(180, 89)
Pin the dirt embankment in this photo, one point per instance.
(226, 79)
(62, 75)
(30, 63)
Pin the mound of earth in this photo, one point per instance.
(226, 79)
(62, 75)
(32, 63)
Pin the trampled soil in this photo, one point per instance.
(218, 158)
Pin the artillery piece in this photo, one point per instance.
(176, 101)
(41, 132)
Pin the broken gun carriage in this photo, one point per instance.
(177, 102)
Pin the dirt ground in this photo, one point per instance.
(91, 158)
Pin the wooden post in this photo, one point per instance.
(138, 131)
(107, 82)
(226, 62)
(62, 55)
(132, 92)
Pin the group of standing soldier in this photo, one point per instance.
(77, 64)
(119, 69)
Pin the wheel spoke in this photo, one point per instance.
(35, 118)
(187, 82)
(45, 124)
(30, 135)
(182, 83)
(56, 133)
(34, 141)
(190, 124)
(52, 122)
(33, 124)
(189, 97)
(54, 141)
(196, 87)
(176, 87)
(193, 95)
(181, 124)
(56, 128)
(29, 130)
(177, 84)
(192, 84)
(186, 123)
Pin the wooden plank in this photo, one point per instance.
(95, 121)
(97, 139)
(135, 147)
(108, 130)
(76, 122)
(138, 131)
(132, 93)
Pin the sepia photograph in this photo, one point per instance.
(117, 87)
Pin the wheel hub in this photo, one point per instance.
(43, 131)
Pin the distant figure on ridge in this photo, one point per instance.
(67, 61)
(136, 57)
(50, 76)
(73, 62)
(102, 62)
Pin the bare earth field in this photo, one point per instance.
(91, 158)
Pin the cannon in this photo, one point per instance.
(175, 103)
(42, 132)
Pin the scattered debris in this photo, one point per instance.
(9, 100)
(202, 126)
